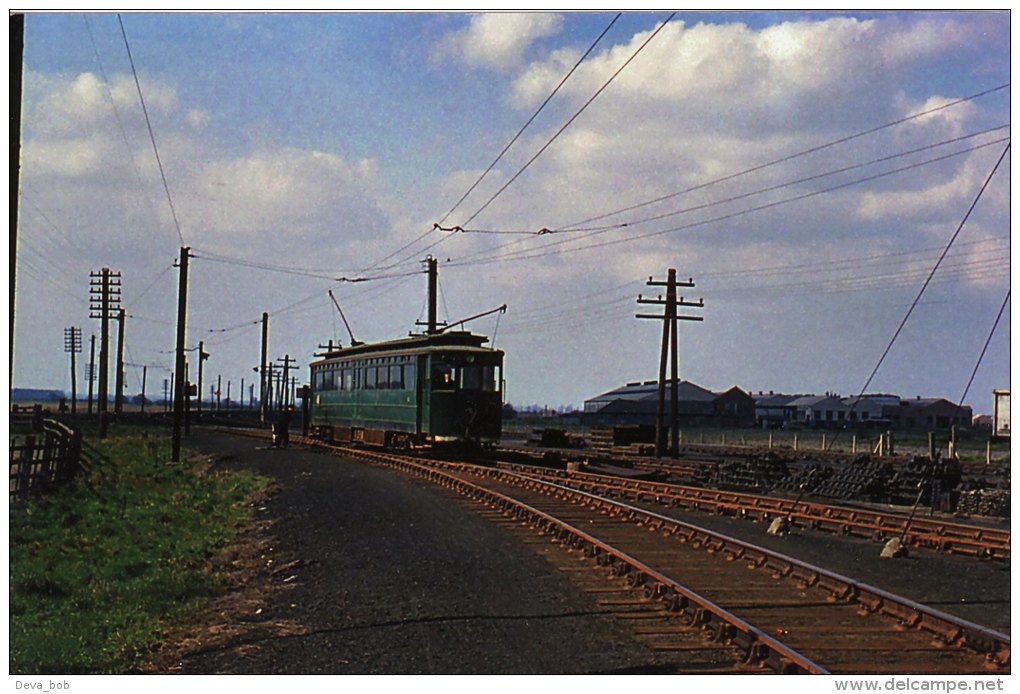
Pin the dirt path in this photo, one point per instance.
(359, 570)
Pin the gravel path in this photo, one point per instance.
(391, 577)
(361, 570)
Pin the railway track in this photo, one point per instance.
(935, 534)
(768, 611)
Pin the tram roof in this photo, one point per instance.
(456, 338)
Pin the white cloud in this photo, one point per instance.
(197, 118)
(70, 104)
(304, 196)
(498, 41)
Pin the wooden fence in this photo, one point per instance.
(48, 455)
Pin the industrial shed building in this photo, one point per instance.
(928, 413)
(636, 403)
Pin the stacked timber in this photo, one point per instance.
(629, 440)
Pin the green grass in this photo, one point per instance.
(99, 571)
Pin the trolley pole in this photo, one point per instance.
(180, 392)
(669, 319)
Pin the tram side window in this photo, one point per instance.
(369, 380)
(409, 376)
(347, 379)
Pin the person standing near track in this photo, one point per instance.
(281, 433)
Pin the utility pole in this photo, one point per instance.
(432, 324)
(433, 268)
(202, 356)
(104, 293)
(288, 361)
(263, 376)
(17, 55)
(180, 392)
(669, 318)
(219, 390)
(72, 344)
(268, 403)
(118, 397)
(145, 373)
(92, 368)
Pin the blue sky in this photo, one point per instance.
(320, 144)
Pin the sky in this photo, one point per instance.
(805, 170)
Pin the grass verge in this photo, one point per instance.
(101, 570)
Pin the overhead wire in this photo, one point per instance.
(526, 254)
(795, 155)
(596, 231)
(152, 284)
(498, 157)
(786, 184)
(571, 119)
(530, 120)
(548, 143)
(152, 135)
(934, 269)
(118, 118)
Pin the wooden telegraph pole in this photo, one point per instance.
(118, 393)
(180, 392)
(104, 291)
(92, 369)
(284, 390)
(72, 344)
(432, 324)
(263, 375)
(669, 320)
(202, 356)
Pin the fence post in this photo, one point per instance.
(25, 466)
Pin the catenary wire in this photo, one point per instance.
(796, 155)
(934, 269)
(152, 135)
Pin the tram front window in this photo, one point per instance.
(470, 377)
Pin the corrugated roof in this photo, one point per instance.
(649, 390)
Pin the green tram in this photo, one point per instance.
(422, 390)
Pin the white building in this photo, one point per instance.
(1000, 415)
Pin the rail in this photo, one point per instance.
(937, 534)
